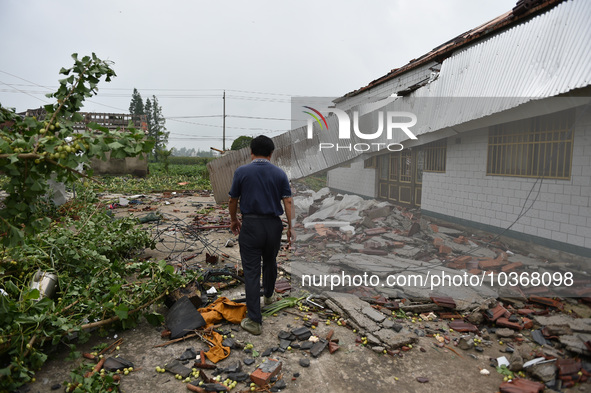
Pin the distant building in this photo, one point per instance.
(137, 166)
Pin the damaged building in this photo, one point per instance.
(503, 131)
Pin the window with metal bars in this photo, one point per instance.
(535, 147)
(435, 156)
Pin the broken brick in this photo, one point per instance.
(438, 242)
(461, 326)
(527, 323)
(521, 385)
(449, 315)
(443, 249)
(375, 231)
(511, 267)
(444, 301)
(267, 370)
(567, 367)
(460, 240)
(505, 322)
(455, 265)
(333, 347)
(496, 312)
(396, 244)
(488, 264)
(547, 302)
(282, 285)
(434, 228)
(464, 259)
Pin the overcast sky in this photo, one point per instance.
(187, 53)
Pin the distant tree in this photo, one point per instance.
(136, 107)
(184, 152)
(156, 128)
(241, 142)
(205, 153)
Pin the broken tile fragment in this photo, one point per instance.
(175, 367)
(279, 385)
(444, 301)
(332, 347)
(462, 327)
(521, 385)
(284, 344)
(306, 345)
(302, 333)
(496, 312)
(318, 347)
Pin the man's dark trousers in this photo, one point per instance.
(260, 237)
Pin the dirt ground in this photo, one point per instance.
(353, 368)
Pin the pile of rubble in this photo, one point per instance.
(535, 339)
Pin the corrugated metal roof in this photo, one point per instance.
(445, 50)
(544, 56)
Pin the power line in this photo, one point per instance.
(53, 87)
(24, 92)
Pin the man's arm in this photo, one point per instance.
(235, 224)
(289, 213)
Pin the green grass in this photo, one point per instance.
(315, 182)
(159, 179)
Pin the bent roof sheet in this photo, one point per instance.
(543, 56)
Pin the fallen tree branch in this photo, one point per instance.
(116, 317)
(176, 340)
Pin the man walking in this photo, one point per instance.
(260, 186)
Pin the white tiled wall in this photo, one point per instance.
(356, 179)
(561, 212)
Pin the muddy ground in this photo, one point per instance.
(353, 368)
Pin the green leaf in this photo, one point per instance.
(6, 371)
(122, 311)
(33, 294)
(154, 318)
(11, 288)
(37, 186)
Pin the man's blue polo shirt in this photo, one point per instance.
(261, 186)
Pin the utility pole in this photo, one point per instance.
(224, 128)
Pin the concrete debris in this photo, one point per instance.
(563, 324)
(344, 235)
(546, 372)
(505, 333)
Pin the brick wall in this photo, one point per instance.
(355, 180)
(561, 212)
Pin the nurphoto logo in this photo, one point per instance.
(393, 121)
